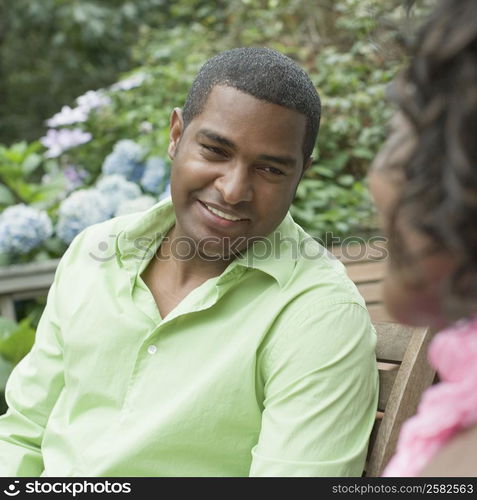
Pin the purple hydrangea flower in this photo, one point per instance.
(74, 177)
(130, 82)
(87, 102)
(92, 100)
(68, 116)
(58, 141)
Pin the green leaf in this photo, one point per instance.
(31, 163)
(55, 246)
(26, 191)
(6, 196)
(364, 153)
(5, 370)
(15, 343)
(7, 327)
(325, 172)
(346, 180)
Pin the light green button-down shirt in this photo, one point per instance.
(267, 369)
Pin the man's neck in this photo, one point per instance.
(190, 269)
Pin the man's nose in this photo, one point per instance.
(235, 184)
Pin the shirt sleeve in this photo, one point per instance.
(320, 394)
(31, 392)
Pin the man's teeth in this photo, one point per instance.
(221, 214)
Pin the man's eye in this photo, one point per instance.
(214, 150)
(272, 170)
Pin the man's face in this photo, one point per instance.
(235, 169)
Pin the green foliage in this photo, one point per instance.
(5, 370)
(16, 340)
(53, 50)
(21, 167)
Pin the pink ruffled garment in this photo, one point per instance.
(445, 408)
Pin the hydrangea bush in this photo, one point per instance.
(23, 228)
(92, 164)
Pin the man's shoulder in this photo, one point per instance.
(319, 274)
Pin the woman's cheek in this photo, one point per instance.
(413, 305)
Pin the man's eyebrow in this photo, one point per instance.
(213, 136)
(285, 161)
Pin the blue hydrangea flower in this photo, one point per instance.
(126, 160)
(80, 210)
(23, 228)
(137, 205)
(155, 175)
(115, 189)
(167, 191)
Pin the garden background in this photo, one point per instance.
(86, 89)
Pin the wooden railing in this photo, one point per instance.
(24, 281)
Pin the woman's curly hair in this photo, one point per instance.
(437, 94)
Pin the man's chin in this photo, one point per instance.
(216, 255)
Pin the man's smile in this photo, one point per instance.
(222, 217)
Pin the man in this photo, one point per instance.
(220, 339)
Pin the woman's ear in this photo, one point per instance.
(176, 127)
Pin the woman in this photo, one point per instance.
(424, 182)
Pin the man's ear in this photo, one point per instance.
(176, 127)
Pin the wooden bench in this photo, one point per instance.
(401, 350)
(404, 374)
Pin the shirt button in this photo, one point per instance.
(152, 349)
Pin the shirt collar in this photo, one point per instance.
(141, 237)
(275, 255)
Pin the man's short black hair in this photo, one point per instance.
(265, 74)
